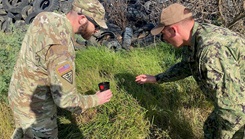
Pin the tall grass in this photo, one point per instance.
(6, 124)
(169, 107)
(174, 110)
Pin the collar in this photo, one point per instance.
(193, 36)
(192, 47)
(70, 28)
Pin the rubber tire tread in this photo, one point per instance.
(5, 26)
(14, 9)
(65, 6)
(53, 5)
(25, 11)
(30, 17)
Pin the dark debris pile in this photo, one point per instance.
(129, 21)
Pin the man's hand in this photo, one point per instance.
(104, 96)
(143, 78)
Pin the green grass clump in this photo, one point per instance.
(9, 47)
(171, 110)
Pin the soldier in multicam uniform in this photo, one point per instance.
(44, 74)
(215, 57)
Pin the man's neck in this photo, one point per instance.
(189, 29)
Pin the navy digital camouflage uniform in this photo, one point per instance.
(44, 78)
(216, 60)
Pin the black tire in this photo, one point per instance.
(45, 5)
(2, 19)
(26, 11)
(1, 5)
(14, 7)
(15, 16)
(30, 17)
(20, 24)
(6, 24)
(114, 45)
(2, 12)
(65, 6)
(127, 38)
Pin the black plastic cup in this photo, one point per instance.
(104, 86)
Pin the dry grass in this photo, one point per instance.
(6, 124)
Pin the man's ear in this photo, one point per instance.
(82, 19)
(173, 30)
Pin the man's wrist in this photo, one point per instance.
(157, 78)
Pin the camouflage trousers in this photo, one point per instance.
(28, 128)
(229, 126)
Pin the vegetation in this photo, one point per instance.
(171, 110)
(9, 46)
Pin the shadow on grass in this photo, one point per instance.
(69, 129)
(162, 105)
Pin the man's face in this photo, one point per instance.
(170, 35)
(87, 30)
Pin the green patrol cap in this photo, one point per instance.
(91, 8)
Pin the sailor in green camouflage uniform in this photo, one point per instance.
(44, 74)
(215, 57)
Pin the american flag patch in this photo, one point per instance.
(64, 68)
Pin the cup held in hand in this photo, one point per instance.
(104, 86)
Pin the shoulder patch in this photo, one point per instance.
(68, 76)
(61, 69)
(65, 71)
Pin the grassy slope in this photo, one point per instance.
(174, 110)
(170, 107)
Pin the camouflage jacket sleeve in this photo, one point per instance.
(178, 71)
(61, 69)
(223, 76)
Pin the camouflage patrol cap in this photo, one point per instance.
(91, 8)
(174, 13)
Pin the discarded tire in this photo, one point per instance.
(30, 17)
(14, 6)
(129, 21)
(6, 24)
(114, 45)
(26, 11)
(45, 5)
(127, 38)
(14, 16)
(65, 6)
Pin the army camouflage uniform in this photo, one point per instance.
(44, 78)
(216, 59)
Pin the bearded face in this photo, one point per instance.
(86, 30)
